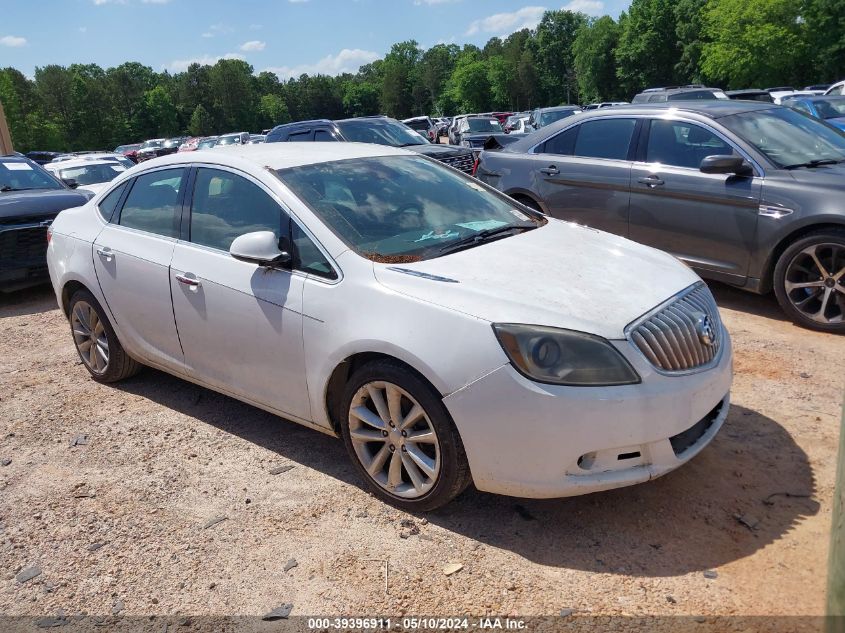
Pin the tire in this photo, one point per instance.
(818, 300)
(105, 359)
(369, 442)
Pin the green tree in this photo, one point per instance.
(553, 43)
(825, 35)
(398, 69)
(201, 123)
(595, 65)
(233, 94)
(648, 50)
(753, 42)
(469, 86)
(689, 31)
(159, 113)
(272, 111)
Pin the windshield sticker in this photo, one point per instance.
(17, 166)
(518, 214)
(434, 235)
(118, 168)
(482, 225)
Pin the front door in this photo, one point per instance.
(584, 173)
(707, 220)
(132, 257)
(240, 324)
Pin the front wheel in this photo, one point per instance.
(401, 438)
(810, 281)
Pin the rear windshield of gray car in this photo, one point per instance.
(396, 209)
(788, 138)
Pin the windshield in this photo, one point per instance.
(380, 132)
(92, 174)
(173, 142)
(207, 143)
(419, 126)
(397, 209)
(484, 125)
(148, 144)
(19, 175)
(229, 140)
(787, 137)
(555, 115)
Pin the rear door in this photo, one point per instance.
(132, 258)
(584, 173)
(708, 220)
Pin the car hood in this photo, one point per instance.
(38, 202)
(560, 275)
(438, 152)
(826, 176)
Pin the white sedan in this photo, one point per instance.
(448, 334)
(86, 174)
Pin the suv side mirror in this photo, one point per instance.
(259, 247)
(719, 164)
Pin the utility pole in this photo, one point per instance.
(5, 137)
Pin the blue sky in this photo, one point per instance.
(288, 37)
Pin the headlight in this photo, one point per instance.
(564, 357)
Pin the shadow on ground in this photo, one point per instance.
(34, 300)
(730, 501)
(743, 301)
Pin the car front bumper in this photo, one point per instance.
(527, 439)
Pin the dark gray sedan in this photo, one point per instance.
(746, 193)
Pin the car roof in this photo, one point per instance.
(556, 108)
(714, 109)
(78, 162)
(283, 155)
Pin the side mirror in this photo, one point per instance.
(70, 182)
(259, 247)
(726, 165)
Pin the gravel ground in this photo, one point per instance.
(114, 492)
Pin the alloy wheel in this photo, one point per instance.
(815, 282)
(394, 439)
(89, 335)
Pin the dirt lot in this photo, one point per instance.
(120, 522)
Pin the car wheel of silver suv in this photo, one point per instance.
(809, 280)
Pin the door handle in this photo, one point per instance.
(191, 282)
(106, 253)
(551, 170)
(651, 181)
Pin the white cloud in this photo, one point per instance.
(155, 1)
(220, 28)
(430, 2)
(12, 41)
(253, 45)
(504, 23)
(101, 2)
(181, 65)
(346, 61)
(298, 1)
(590, 7)
(83, 29)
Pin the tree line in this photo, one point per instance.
(568, 58)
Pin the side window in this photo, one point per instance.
(562, 144)
(308, 257)
(837, 91)
(605, 138)
(323, 136)
(153, 203)
(681, 144)
(226, 206)
(299, 137)
(109, 203)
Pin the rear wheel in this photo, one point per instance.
(810, 281)
(95, 341)
(401, 438)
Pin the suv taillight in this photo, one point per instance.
(49, 233)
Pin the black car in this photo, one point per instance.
(744, 192)
(380, 130)
(42, 158)
(30, 198)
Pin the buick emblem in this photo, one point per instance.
(705, 330)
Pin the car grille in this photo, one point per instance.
(683, 335)
(23, 247)
(463, 162)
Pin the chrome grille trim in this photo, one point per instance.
(462, 162)
(668, 336)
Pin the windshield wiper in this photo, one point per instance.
(819, 162)
(484, 236)
(5, 188)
